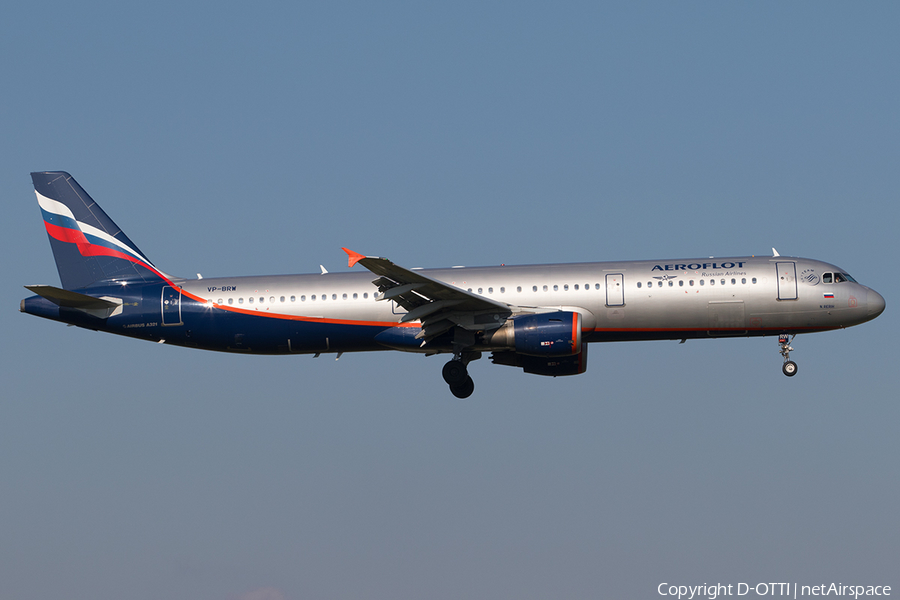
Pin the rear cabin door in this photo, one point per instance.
(171, 306)
(615, 290)
(787, 280)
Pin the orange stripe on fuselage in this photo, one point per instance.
(269, 315)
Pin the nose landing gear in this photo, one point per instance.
(789, 367)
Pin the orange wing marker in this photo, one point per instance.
(354, 257)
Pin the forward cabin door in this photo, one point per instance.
(787, 280)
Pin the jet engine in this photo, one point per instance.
(543, 344)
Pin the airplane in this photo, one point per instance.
(539, 318)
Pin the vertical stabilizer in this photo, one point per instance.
(88, 247)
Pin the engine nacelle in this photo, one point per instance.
(547, 334)
(544, 365)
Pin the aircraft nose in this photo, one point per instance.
(874, 303)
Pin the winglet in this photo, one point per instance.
(353, 257)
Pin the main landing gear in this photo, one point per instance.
(789, 367)
(457, 376)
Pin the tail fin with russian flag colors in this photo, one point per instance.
(88, 247)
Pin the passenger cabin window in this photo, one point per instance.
(681, 283)
(639, 284)
(545, 288)
(576, 287)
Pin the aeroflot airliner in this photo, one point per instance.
(539, 318)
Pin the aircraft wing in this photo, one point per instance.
(437, 304)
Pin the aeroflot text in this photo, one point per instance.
(771, 589)
(697, 266)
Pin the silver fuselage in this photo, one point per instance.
(632, 300)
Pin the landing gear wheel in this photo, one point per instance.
(790, 367)
(464, 389)
(455, 373)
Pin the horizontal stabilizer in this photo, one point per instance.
(70, 299)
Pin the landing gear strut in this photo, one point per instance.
(457, 376)
(789, 367)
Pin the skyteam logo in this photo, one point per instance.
(809, 276)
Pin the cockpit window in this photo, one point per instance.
(826, 278)
(848, 278)
(838, 278)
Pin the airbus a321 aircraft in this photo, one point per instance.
(539, 318)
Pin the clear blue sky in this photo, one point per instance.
(234, 139)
